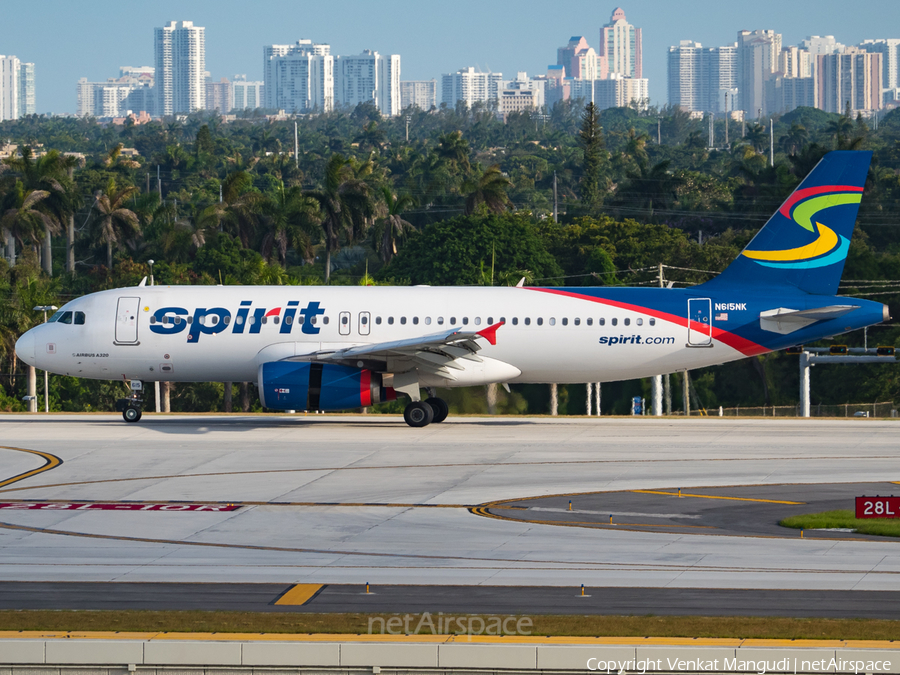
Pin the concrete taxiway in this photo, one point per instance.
(354, 499)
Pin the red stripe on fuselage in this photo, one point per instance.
(365, 388)
(743, 345)
(785, 209)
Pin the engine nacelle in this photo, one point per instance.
(293, 385)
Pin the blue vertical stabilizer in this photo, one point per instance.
(805, 243)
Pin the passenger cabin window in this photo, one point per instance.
(590, 322)
(515, 321)
(615, 322)
(601, 322)
(364, 319)
(288, 320)
(477, 320)
(440, 321)
(378, 320)
(390, 321)
(552, 321)
(324, 320)
(427, 320)
(627, 322)
(652, 322)
(640, 322)
(415, 321)
(577, 322)
(566, 322)
(403, 320)
(540, 321)
(528, 321)
(465, 321)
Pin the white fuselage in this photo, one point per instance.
(545, 337)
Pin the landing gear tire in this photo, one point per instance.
(418, 414)
(132, 414)
(441, 408)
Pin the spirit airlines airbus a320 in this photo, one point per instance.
(336, 348)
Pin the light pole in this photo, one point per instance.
(156, 383)
(45, 309)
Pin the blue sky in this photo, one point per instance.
(92, 38)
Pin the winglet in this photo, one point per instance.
(490, 333)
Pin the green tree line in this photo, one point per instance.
(450, 196)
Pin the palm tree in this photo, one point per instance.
(51, 173)
(113, 223)
(238, 212)
(22, 221)
(756, 136)
(289, 221)
(795, 138)
(490, 190)
(453, 149)
(391, 226)
(344, 202)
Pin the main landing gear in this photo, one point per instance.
(423, 413)
(131, 407)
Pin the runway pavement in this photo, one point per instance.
(355, 499)
(525, 600)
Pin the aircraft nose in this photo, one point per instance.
(25, 348)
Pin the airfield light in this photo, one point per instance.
(45, 309)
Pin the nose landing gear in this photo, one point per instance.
(131, 407)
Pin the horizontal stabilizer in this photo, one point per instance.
(784, 320)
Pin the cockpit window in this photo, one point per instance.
(55, 317)
(65, 318)
(79, 318)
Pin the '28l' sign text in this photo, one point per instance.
(878, 507)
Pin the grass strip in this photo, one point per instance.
(885, 527)
(566, 625)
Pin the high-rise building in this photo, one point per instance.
(890, 57)
(26, 89)
(852, 78)
(299, 78)
(218, 95)
(10, 69)
(620, 51)
(369, 77)
(699, 77)
(420, 93)
(795, 62)
(246, 95)
(180, 49)
(758, 53)
(578, 58)
(133, 91)
(819, 46)
(621, 92)
(470, 86)
(685, 80)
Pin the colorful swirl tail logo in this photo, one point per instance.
(802, 207)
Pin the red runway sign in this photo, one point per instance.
(878, 507)
(81, 506)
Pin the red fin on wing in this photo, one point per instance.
(490, 333)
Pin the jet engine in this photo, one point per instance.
(300, 385)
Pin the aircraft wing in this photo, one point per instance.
(435, 353)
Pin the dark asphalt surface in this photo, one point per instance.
(453, 599)
(650, 512)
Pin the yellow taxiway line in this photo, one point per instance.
(50, 462)
(733, 499)
(477, 639)
(299, 594)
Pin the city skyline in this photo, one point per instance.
(529, 35)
